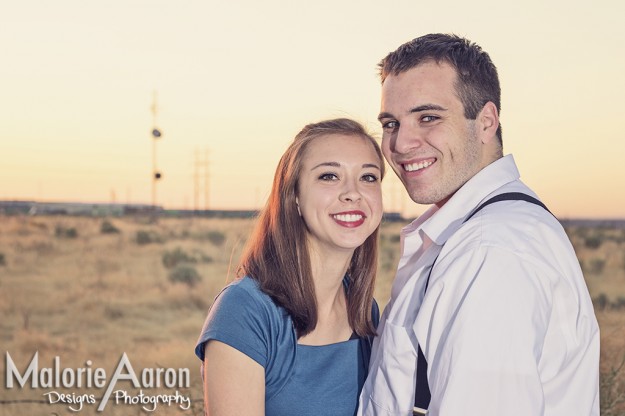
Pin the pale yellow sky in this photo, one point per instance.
(238, 79)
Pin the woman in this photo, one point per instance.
(292, 335)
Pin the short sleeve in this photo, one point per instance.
(241, 318)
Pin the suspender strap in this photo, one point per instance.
(422, 388)
(510, 196)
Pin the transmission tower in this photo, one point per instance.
(156, 134)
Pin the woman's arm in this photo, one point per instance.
(234, 384)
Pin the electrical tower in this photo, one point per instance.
(156, 134)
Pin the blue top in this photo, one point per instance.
(299, 379)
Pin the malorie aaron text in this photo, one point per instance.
(56, 377)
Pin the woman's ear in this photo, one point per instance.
(297, 203)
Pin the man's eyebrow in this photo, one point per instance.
(427, 107)
(418, 109)
(384, 115)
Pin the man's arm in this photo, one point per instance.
(489, 315)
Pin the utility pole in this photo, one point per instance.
(156, 134)
(200, 166)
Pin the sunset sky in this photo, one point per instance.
(236, 80)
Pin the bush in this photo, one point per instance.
(3, 261)
(596, 265)
(107, 227)
(205, 258)
(113, 312)
(185, 274)
(619, 303)
(147, 237)
(600, 302)
(593, 241)
(216, 237)
(63, 232)
(175, 257)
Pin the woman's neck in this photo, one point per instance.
(328, 272)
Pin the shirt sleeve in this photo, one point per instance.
(239, 318)
(489, 316)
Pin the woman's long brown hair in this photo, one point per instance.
(277, 255)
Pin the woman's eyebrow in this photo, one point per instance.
(338, 165)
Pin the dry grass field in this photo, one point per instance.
(87, 290)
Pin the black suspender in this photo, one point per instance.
(510, 196)
(422, 388)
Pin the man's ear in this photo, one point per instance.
(488, 122)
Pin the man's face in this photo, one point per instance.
(426, 139)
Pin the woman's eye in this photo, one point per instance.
(369, 178)
(328, 177)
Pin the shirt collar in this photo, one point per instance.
(438, 224)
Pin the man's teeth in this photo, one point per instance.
(348, 217)
(417, 166)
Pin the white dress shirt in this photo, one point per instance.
(506, 325)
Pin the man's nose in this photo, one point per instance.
(406, 138)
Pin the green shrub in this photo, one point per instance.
(175, 257)
(61, 231)
(113, 312)
(107, 227)
(205, 258)
(147, 237)
(600, 302)
(619, 303)
(594, 241)
(216, 237)
(185, 274)
(596, 265)
(3, 261)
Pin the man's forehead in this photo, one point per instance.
(421, 85)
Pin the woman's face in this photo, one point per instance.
(340, 196)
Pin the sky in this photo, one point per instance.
(235, 81)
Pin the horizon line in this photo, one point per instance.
(29, 205)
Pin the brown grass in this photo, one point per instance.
(98, 295)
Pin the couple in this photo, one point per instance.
(489, 313)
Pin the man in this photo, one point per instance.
(489, 311)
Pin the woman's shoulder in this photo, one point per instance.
(245, 288)
(246, 296)
(246, 318)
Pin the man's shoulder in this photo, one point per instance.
(517, 226)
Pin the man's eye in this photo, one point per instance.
(369, 178)
(428, 119)
(328, 177)
(390, 125)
